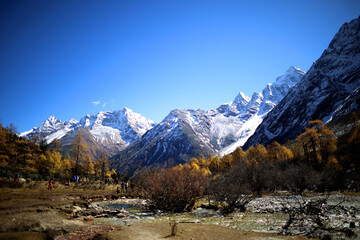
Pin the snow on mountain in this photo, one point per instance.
(187, 133)
(120, 127)
(62, 130)
(48, 127)
(323, 90)
(232, 124)
(110, 128)
(181, 135)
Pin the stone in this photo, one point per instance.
(87, 219)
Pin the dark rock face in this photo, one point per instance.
(322, 91)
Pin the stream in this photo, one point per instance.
(262, 215)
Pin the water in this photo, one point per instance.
(263, 215)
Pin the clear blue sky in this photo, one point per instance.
(72, 58)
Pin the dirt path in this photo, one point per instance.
(155, 231)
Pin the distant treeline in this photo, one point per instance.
(315, 160)
(42, 161)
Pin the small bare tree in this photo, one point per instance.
(310, 214)
(232, 190)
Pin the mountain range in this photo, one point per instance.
(133, 140)
(187, 133)
(109, 132)
(279, 112)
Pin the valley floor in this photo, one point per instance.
(33, 212)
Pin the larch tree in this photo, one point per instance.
(259, 153)
(79, 150)
(4, 158)
(226, 162)
(66, 166)
(55, 145)
(102, 165)
(238, 156)
(54, 160)
(215, 164)
(88, 167)
(318, 142)
(278, 152)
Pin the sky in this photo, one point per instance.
(72, 58)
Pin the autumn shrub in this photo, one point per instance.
(174, 189)
(232, 190)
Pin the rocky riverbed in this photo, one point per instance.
(334, 215)
(94, 214)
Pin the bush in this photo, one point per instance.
(33, 176)
(175, 189)
(232, 189)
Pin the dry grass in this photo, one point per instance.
(153, 231)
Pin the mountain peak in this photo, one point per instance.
(125, 109)
(291, 77)
(73, 121)
(241, 97)
(52, 119)
(293, 69)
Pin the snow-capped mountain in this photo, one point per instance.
(122, 127)
(113, 130)
(279, 112)
(180, 136)
(330, 81)
(232, 124)
(187, 133)
(50, 129)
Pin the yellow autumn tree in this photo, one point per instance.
(88, 167)
(257, 153)
(4, 158)
(79, 150)
(238, 156)
(215, 164)
(318, 143)
(67, 166)
(278, 152)
(54, 161)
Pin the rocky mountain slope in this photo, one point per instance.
(325, 88)
(187, 133)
